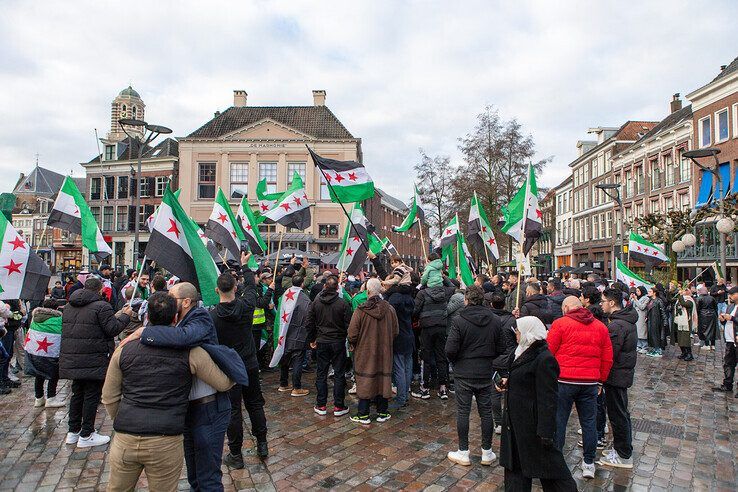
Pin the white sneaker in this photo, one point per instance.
(352, 391)
(95, 439)
(459, 457)
(613, 459)
(394, 390)
(39, 402)
(607, 429)
(498, 430)
(488, 456)
(72, 438)
(579, 432)
(13, 377)
(55, 402)
(588, 470)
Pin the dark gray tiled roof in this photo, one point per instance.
(395, 203)
(40, 181)
(167, 147)
(316, 121)
(733, 67)
(674, 118)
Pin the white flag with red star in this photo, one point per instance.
(353, 247)
(292, 208)
(628, 277)
(287, 305)
(23, 274)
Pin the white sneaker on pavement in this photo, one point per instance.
(352, 390)
(613, 459)
(92, 440)
(588, 470)
(488, 456)
(55, 402)
(72, 438)
(39, 402)
(459, 457)
(498, 429)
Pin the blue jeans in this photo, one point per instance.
(601, 415)
(204, 435)
(402, 373)
(722, 307)
(584, 396)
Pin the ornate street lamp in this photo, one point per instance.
(612, 190)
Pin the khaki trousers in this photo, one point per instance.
(160, 456)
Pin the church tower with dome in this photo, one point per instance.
(127, 104)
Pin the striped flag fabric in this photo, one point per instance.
(628, 277)
(349, 182)
(267, 201)
(44, 338)
(480, 233)
(71, 213)
(466, 262)
(221, 226)
(353, 250)
(292, 208)
(249, 226)
(448, 234)
(644, 251)
(23, 274)
(287, 304)
(718, 270)
(522, 215)
(414, 214)
(151, 218)
(176, 246)
(376, 245)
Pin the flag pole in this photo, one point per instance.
(422, 241)
(135, 284)
(43, 235)
(276, 260)
(522, 233)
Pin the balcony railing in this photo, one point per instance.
(708, 245)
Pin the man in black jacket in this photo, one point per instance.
(232, 319)
(555, 298)
(327, 325)
(536, 304)
(473, 343)
(509, 342)
(89, 326)
(624, 337)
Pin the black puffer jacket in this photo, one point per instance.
(232, 322)
(328, 318)
(537, 305)
(507, 336)
(473, 342)
(624, 338)
(430, 306)
(89, 326)
(555, 300)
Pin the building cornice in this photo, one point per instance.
(713, 92)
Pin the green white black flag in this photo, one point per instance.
(522, 216)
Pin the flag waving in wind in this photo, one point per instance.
(292, 208)
(349, 181)
(221, 226)
(267, 201)
(285, 310)
(71, 213)
(23, 274)
(628, 277)
(151, 218)
(522, 215)
(250, 228)
(465, 261)
(644, 251)
(480, 232)
(353, 250)
(414, 214)
(448, 234)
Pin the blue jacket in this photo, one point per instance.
(197, 329)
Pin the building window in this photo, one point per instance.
(640, 180)
(161, 185)
(654, 206)
(109, 187)
(328, 230)
(705, 133)
(109, 152)
(655, 175)
(107, 219)
(96, 214)
(295, 167)
(735, 120)
(268, 171)
(324, 193)
(596, 226)
(668, 203)
(206, 180)
(239, 180)
(685, 167)
(144, 187)
(721, 126)
(123, 186)
(122, 219)
(684, 201)
(670, 177)
(95, 184)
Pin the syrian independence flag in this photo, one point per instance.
(249, 227)
(151, 218)
(292, 208)
(209, 244)
(221, 227)
(43, 339)
(448, 234)
(465, 262)
(522, 216)
(376, 245)
(353, 250)
(348, 180)
(479, 230)
(176, 246)
(644, 251)
(414, 214)
(23, 274)
(718, 270)
(287, 304)
(628, 277)
(72, 213)
(267, 201)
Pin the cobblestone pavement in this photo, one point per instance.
(683, 440)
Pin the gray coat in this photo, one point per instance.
(641, 306)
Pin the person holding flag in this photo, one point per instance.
(291, 341)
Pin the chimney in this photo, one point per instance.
(723, 67)
(676, 103)
(318, 98)
(239, 99)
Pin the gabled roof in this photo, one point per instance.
(733, 67)
(393, 202)
(167, 147)
(628, 131)
(317, 121)
(40, 181)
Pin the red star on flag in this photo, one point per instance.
(655, 253)
(448, 232)
(349, 251)
(539, 214)
(285, 206)
(76, 211)
(28, 339)
(248, 227)
(352, 176)
(264, 207)
(638, 248)
(13, 267)
(17, 243)
(290, 294)
(304, 195)
(44, 344)
(285, 317)
(491, 241)
(328, 178)
(280, 342)
(484, 228)
(223, 218)
(357, 239)
(233, 233)
(339, 178)
(173, 228)
(298, 200)
(632, 284)
(645, 250)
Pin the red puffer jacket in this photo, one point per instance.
(582, 347)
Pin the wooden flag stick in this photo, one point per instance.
(43, 235)
(279, 252)
(422, 241)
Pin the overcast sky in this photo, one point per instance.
(400, 75)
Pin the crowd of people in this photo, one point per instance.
(174, 375)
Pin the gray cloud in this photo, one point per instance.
(400, 75)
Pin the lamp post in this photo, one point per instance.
(612, 190)
(693, 155)
(153, 132)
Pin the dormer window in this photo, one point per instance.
(109, 152)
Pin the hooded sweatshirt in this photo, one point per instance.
(432, 275)
(430, 306)
(582, 347)
(328, 318)
(473, 342)
(233, 326)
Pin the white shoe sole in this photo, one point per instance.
(459, 462)
(83, 444)
(488, 463)
(71, 441)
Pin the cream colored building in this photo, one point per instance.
(243, 144)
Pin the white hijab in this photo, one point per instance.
(531, 329)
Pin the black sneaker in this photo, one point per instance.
(361, 419)
(234, 461)
(262, 449)
(442, 394)
(722, 389)
(383, 417)
(421, 393)
(601, 443)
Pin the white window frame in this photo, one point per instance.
(271, 185)
(735, 120)
(160, 181)
(240, 184)
(717, 125)
(700, 132)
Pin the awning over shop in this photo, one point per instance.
(725, 177)
(705, 189)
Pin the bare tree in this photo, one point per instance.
(434, 181)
